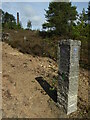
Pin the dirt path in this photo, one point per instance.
(23, 80)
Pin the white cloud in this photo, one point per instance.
(27, 12)
(27, 0)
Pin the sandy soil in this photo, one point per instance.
(24, 94)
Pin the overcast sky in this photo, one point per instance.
(34, 11)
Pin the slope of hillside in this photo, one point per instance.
(22, 94)
(27, 91)
(30, 42)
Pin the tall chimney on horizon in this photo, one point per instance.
(17, 18)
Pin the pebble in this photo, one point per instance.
(30, 60)
(44, 66)
(49, 66)
(41, 65)
(14, 84)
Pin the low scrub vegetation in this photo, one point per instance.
(30, 42)
(61, 24)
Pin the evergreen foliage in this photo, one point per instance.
(8, 21)
(29, 24)
(60, 17)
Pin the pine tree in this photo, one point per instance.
(83, 17)
(60, 16)
(29, 25)
(89, 12)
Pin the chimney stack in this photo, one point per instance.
(17, 18)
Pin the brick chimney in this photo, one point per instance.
(17, 18)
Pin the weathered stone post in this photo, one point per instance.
(68, 74)
(0, 64)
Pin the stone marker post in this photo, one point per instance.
(68, 74)
(0, 65)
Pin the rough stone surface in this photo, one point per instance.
(68, 74)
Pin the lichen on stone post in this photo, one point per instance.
(69, 54)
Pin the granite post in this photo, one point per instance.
(69, 54)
